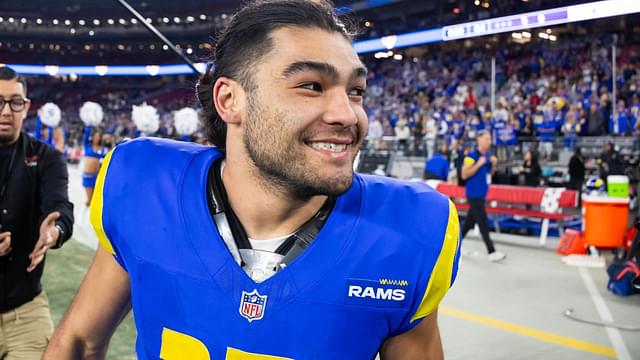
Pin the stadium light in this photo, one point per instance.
(201, 67)
(543, 35)
(403, 40)
(190, 18)
(96, 22)
(101, 70)
(153, 70)
(52, 69)
(67, 22)
(203, 17)
(72, 31)
(55, 22)
(38, 21)
(390, 41)
(23, 20)
(11, 20)
(91, 32)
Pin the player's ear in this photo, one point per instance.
(228, 98)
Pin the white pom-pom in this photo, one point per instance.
(186, 121)
(50, 114)
(91, 113)
(146, 118)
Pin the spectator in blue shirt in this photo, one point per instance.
(620, 122)
(438, 166)
(546, 133)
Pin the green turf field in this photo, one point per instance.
(64, 270)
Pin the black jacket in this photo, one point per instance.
(37, 186)
(577, 172)
(532, 173)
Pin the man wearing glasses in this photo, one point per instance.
(35, 215)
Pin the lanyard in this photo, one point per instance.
(234, 235)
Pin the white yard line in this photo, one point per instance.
(605, 315)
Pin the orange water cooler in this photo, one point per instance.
(604, 220)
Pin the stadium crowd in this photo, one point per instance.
(545, 93)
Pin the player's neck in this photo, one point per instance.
(264, 211)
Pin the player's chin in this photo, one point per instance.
(338, 183)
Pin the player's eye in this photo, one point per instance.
(313, 86)
(357, 92)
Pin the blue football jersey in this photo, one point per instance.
(383, 260)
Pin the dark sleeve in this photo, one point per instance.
(536, 170)
(54, 181)
(446, 170)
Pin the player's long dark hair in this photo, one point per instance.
(246, 40)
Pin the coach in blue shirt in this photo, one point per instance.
(476, 170)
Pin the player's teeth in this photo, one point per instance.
(329, 146)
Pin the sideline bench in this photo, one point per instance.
(531, 202)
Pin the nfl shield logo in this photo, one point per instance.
(252, 305)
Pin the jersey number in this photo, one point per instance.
(179, 346)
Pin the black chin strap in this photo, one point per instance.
(233, 232)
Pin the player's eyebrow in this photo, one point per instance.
(359, 72)
(323, 68)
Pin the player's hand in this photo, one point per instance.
(482, 160)
(494, 160)
(5, 243)
(49, 235)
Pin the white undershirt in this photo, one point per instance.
(268, 244)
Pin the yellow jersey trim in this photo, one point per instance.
(442, 273)
(468, 160)
(97, 202)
